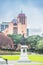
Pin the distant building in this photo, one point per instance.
(17, 26)
(27, 32)
(3, 26)
(22, 23)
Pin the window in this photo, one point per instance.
(15, 30)
(2, 27)
(22, 20)
(6, 26)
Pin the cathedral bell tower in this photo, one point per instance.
(22, 23)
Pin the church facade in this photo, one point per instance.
(17, 26)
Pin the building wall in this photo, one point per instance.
(22, 24)
(18, 26)
(3, 26)
(10, 29)
(27, 32)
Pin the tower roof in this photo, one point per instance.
(21, 14)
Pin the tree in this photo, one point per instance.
(5, 41)
(39, 45)
(16, 38)
(33, 40)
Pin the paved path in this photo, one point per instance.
(22, 62)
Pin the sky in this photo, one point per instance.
(33, 9)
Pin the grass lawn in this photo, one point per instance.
(11, 57)
(36, 57)
(29, 64)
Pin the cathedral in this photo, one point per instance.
(17, 26)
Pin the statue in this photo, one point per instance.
(23, 40)
(23, 55)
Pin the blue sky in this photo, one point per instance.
(33, 9)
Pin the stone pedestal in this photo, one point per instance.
(24, 55)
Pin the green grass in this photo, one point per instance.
(11, 57)
(36, 57)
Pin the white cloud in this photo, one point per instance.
(35, 20)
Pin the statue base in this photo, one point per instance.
(24, 55)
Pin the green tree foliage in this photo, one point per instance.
(39, 45)
(16, 38)
(33, 40)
